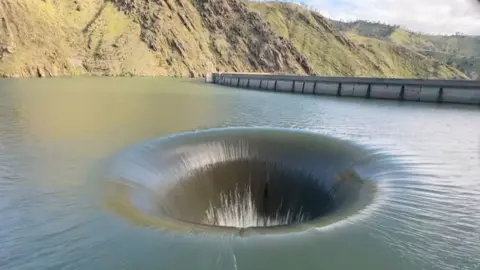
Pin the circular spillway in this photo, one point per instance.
(241, 180)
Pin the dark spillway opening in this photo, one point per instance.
(253, 193)
(244, 178)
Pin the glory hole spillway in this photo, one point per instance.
(240, 181)
(107, 173)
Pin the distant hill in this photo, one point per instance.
(190, 38)
(460, 51)
(332, 53)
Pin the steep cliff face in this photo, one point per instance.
(176, 38)
(139, 37)
(212, 34)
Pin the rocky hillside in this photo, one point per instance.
(333, 53)
(139, 37)
(187, 38)
(460, 51)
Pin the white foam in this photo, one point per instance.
(239, 210)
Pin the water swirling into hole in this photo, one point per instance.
(240, 181)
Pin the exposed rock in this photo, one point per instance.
(159, 37)
(326, 51)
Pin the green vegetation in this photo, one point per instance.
(367, 29)
(459, 51)
(332, 53)
(190, 38)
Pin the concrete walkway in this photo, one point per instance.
(448, 91)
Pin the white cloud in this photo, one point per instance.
(429, 16)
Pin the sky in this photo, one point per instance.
(427, 16)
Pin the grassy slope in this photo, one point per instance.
(367, 29)
(469, 65)
(460, 51)
(50, 38)
(187, 38)
(331, 53)
(123, 37)
(406, 61)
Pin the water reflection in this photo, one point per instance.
(124, 109)
(55, 134)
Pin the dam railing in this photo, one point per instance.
(441, 91)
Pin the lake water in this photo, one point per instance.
(57, 134)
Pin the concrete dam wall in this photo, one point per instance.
(447, 91)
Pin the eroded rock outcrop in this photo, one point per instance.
(152, 38)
